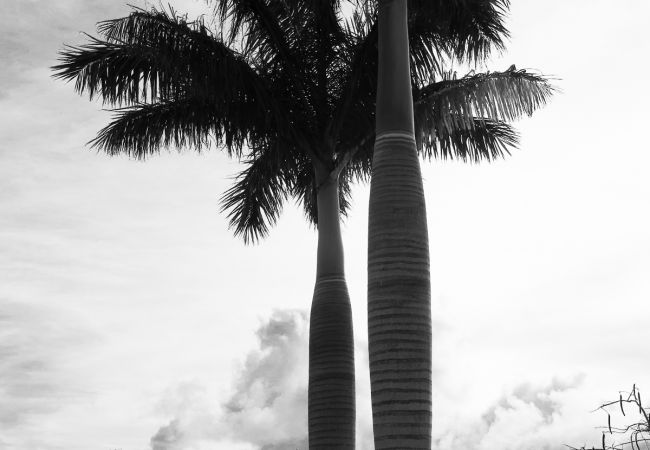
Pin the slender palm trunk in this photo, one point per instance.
(331, 344)
(399, 290)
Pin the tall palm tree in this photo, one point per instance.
(289, 88)
(399, 289)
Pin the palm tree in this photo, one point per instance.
(260, 89)
(399, 290)
(288, 87)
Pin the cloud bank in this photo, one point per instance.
(528, 417)
(268, 405)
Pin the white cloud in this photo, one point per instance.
(527, 417)
(268, 406)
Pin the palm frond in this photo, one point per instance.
(486, 139)
(345, 192)
(120, 74)
(466, 29)
(154, 55)
(327, 18)
(261, 28)
(142, 130)
(255, 200)
(455, 102)
(360, 166)
(153, 26)
(303, 189)
(322, 35)
(357, 95)
(428, 53)
(363, 19)
(146, 55)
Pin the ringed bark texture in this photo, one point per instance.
(331, 398)
(399, 289)
(331, 367)
(399, 292)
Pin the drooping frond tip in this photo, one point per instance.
(506, 95)
(144, 129)
(142, 57)
(467, 117)
(255, 200)
(484, 140)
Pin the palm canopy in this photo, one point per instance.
(289, 86)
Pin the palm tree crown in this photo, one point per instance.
(289, 86)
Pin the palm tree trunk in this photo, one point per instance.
(399, 289)
(331, 398)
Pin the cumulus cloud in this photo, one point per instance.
(281, 343)
(268, 405)
(529, 417)
(540, 398)
(168, 437)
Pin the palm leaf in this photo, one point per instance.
(485, 139)
(262, 28)
(357, 93)
(322, 56)
(345, 192)
(154, 26)
(303, 189)
(144, 129)
(255, 200)
(466, 29)
(147, 52)
(497, 95)
(121, 74)
(151, 55)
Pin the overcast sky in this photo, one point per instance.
(131, 319)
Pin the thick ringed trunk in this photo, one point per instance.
(331, 399)
(399, 290)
